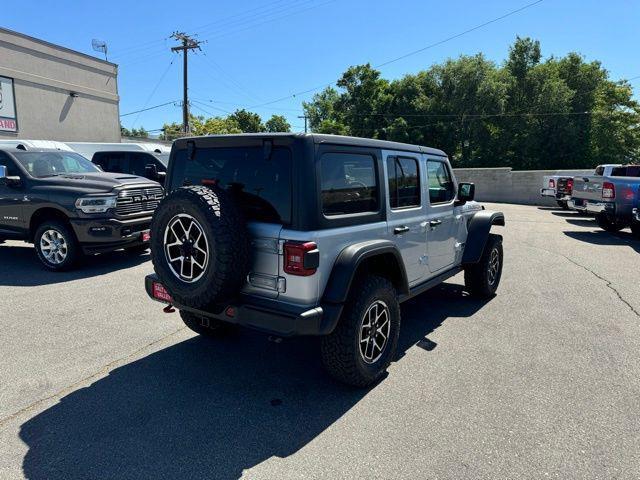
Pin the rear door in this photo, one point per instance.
(406, 212)
(441, 223)
(262, 189)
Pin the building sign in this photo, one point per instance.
(8, 117)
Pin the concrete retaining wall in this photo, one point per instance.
(507, 186)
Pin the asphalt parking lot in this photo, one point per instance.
(541, 381)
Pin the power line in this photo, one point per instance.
(508, 14)
(164, 74)
(458, 35)
(150, 108)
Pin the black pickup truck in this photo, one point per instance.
(66, 206)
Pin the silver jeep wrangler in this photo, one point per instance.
(305, 234)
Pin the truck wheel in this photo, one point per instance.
(607, 225)
(364, 342)
(482, 279)
(200, 246)
(56, 246)
(207, 327)
(563, 204)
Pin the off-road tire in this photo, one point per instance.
(73, 251)
(563, 204)
(340, 349)
(207, 327)
(607, 225)
(137, 250)
(225, 231)
(478, 278)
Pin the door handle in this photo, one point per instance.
(400, 230)
(434, 223)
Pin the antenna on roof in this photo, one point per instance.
(99, 46)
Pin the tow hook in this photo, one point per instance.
(169, 309)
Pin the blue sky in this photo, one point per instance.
(257, 51)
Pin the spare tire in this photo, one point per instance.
(200, 246)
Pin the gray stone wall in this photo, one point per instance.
(44, 75)
(507, 186)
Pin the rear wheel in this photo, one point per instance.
(563, 204)
(208, 327)
(482, 279)
(606, 224)
(364, 342)
(56, 246)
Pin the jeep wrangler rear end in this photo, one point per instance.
(303, 234)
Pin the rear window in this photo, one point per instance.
(261, 186)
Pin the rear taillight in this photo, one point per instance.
(608, 190)
(570, 185)
(552, 183)
(301, 258)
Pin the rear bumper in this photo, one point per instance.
(106, 234)
(606, 208)
(577, 204)
(266, 315)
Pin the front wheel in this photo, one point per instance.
(607, 225)
(482, 279)
(364, 342)
(56, 246)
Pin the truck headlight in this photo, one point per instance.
(96, 204)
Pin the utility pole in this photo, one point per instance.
(188, 43)
(305, 121)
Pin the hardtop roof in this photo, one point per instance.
(329, 140)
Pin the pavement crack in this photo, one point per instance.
(607, 282)
(102, 371)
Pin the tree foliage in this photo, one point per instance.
(134, 132)
(240, 121)
(527, 113)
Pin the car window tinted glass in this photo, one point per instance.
(404, 184)
(262, 187)
(47, 164)
(349, 184)
(600, 171)
(138, 163)
(441, 188)
(12, 169)
(164, 158)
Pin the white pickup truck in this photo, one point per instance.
(560, 187)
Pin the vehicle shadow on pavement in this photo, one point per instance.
(207, 408)
(19, 266)
(600, 237)
(582, 222)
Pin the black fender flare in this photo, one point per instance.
(478, 230)
(350, 258)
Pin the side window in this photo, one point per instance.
(12, 169)
(117, 162)
(404, 183)
(138, 162)
(441, 188)
(349, 183)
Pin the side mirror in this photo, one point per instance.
(151, 170)
(161, 177)
(466, 192)
(9, 181)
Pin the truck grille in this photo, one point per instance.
(138, 200)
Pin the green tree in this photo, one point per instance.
(277, 123)
(247, 122)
